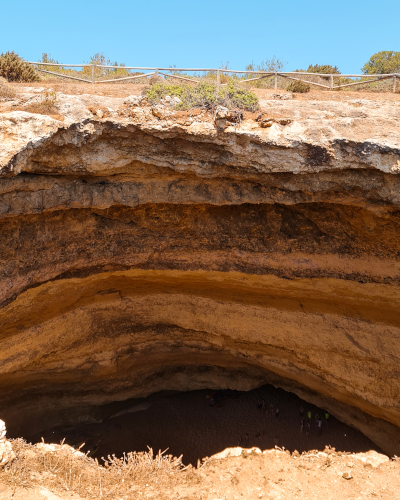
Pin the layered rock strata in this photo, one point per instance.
(141, 253)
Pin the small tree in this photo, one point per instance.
(269, 65)
(273, 65)
(46, 58)
(325, 69)
(386, 61)
(101, 59)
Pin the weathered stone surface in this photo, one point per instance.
(135, 100)
(372, 458)
(141, 253)
(171, 101)
(3, 430)
(20, 131)
(235, 452)
(160, 111)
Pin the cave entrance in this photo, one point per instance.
(201, 423)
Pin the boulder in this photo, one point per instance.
(266, 122)
(175, 100)
(222, 116)
(222, 113)
(372, 458)
(171, 101)
(7, 454)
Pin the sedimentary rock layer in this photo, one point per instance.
(139, 254)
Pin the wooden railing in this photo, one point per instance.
(264, 74)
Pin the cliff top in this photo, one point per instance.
(323, 124)
(126, 89)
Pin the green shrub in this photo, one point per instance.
(15, 69)
(298, 87)
(205, 95)
(237, 96)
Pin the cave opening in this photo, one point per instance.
(76, 350)
(201, 423)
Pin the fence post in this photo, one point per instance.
(93, 73)
(331, 82)
(275, 81)
(394, 84)
(218, 80)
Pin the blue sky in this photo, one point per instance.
(205, 33)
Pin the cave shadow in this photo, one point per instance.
(201, 423)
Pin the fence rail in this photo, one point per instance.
(218, 72)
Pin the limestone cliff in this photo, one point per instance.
(153, 250)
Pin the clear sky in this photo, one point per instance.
(203, 33)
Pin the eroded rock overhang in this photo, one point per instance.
(139, 255)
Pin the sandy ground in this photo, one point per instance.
(126, 89)
(186, 424)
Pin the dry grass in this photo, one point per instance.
(45, 105)
(63, 469)
(276, 473)
(6, 91)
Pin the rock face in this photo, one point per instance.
(145, 252)
(7, 454)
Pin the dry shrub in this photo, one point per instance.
(156, 79)
(298, 87)
(153, 80)
(65, 469)
(6, 91)
(15, 69)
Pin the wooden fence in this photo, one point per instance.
(264, 74)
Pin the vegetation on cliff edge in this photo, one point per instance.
(205, 95)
